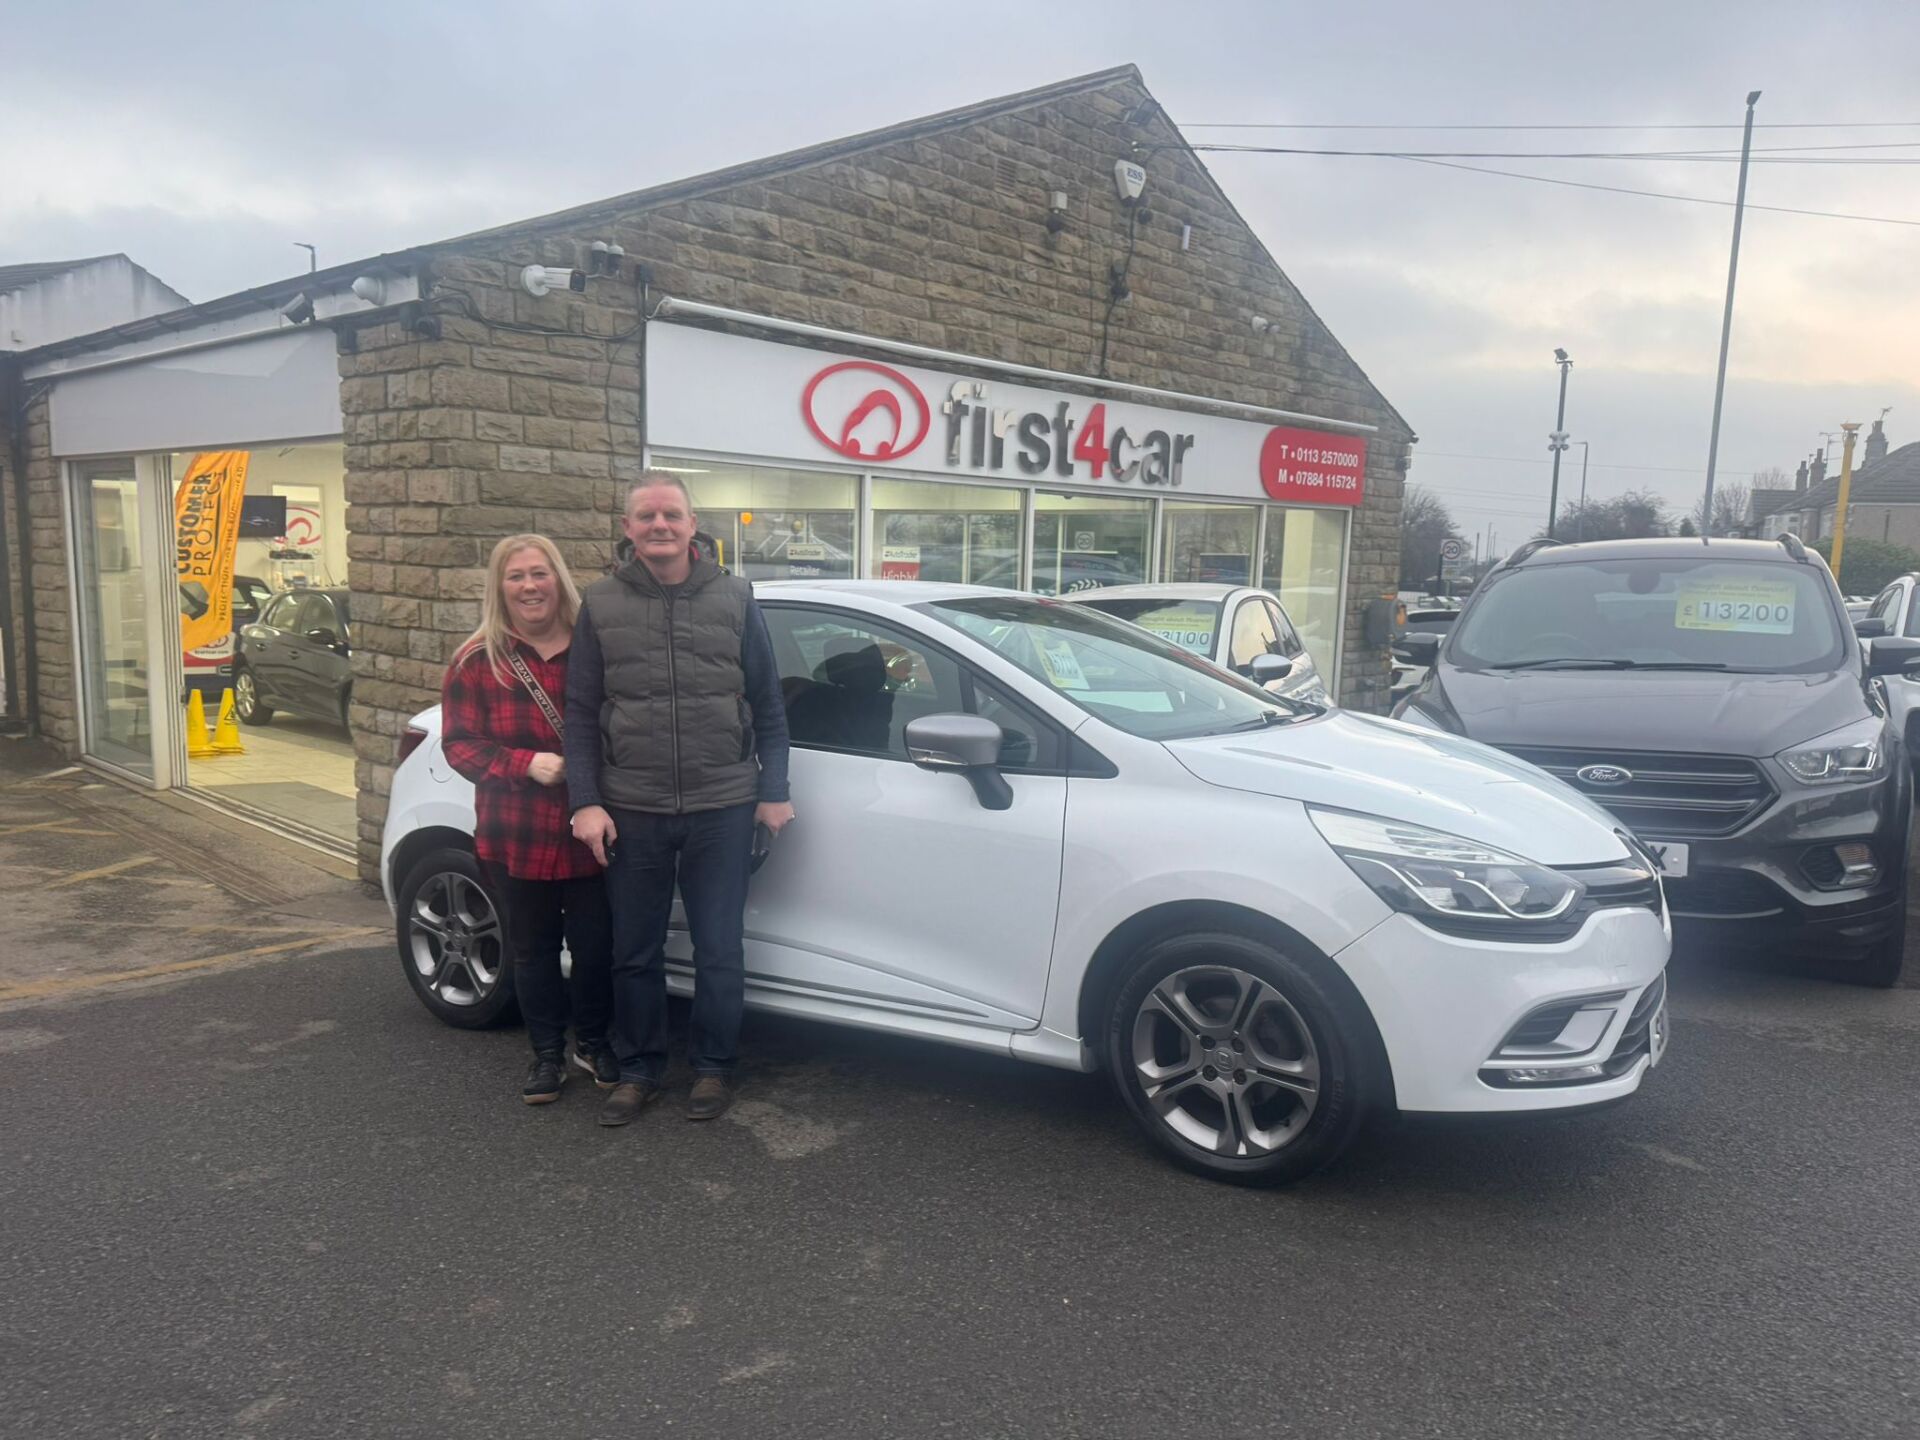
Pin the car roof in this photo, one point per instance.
(1167, 591)
(893, 592)
(1668, 548)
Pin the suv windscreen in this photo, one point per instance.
(1131, 679)
(1683, 613)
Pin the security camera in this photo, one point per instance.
(370, 288)
(540, 279)
(1129, 179)
(1260, 323)
(298, 310)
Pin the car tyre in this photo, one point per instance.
(1188, 1008)
(453, 946)
(247, 703)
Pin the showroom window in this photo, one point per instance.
(1084, 542)
(1301, 565)
(960, 534)
(774, 524)
(1207, 543)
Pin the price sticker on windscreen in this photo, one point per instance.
(1748, 607)
(1062, 666)
(1189, 629)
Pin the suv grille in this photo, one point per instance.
(1671, 796)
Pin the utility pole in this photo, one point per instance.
(1840, 502)
(1726, 320)
(1557, 442)
(1583, 489)
(313, 255)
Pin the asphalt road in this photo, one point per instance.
(280, 1200)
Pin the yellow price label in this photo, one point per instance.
(1747, 607)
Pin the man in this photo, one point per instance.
(676, 749)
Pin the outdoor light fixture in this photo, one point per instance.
(1056, 211)
(1260, 323)
(370, 288)
(298, 310)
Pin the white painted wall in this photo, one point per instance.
(107, 292)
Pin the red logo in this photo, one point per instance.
(1313, 467)
(870, 411)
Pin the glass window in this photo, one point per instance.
(113, 615)
(774, 524)
(281, 612)
(1253, 634)
(1290, 645)
(1133, 680)
(1082, 542)
(959, 534)
(853, 685)
(1208, 543)
(1302, 566)
(1680, 614)
(1193, 625)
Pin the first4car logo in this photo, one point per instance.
(869, 411)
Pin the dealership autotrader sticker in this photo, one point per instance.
(1750, 607)
(1189, 629)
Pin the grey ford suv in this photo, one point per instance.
(1713, 696)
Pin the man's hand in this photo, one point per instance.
(547, 768)
(594, 828)
(776, 815)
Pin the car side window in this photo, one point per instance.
(1253, 634)
(316, 613)
(1030, 743)
(1291, 645)
(280, 612)
(1908, 594)
(1884, 606)
(850, 684)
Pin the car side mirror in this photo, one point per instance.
(1891, 654)
(1870, 628)
(324, 637)
(1266, 669)
(967, 744)
(1422, 647)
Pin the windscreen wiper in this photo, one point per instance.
(1596, 662)
(1259, 722)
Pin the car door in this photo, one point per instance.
(895, 889)
(1304, 681)
(267, 646)
(313, 657)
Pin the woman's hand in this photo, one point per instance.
(547, 769)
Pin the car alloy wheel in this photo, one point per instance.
(1225, 1061)
(247, 703)
(455, 942)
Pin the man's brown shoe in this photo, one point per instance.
(628, 1099)
(710, 1098)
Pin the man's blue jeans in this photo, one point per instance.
(709, 854)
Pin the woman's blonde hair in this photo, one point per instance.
(492, 635)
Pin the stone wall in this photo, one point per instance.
(525, 413)
(46, 570)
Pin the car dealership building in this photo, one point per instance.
(1028, 343)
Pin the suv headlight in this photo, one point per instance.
(1853, 752)
(1432, 875)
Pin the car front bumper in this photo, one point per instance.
(1449, 1011)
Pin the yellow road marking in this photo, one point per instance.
(104, 870)
(35, 989)
(61, 826)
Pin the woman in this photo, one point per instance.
(501, 728)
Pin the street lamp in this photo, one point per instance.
(1557, 441)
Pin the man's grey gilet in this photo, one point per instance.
(675, 731)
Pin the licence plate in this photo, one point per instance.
(1672, 856)
(1657, 1035)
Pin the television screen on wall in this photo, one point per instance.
(263, 517)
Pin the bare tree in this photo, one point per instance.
(1636, 515)
(1425, 524)
(1729, 510)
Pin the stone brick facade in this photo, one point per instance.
(526, 413)
(39, 560)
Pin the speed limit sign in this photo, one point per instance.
(1453, 549)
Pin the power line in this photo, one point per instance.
(1804, 125)
(1661, 194)
(1423, 452)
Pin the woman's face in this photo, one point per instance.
(531, 591)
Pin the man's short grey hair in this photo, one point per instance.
(656, 477)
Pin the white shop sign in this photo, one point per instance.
(729, 395)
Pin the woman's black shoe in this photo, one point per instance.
(598, 1062)
(544, 1080)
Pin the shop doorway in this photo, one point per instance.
(264, 697)
(121, 563)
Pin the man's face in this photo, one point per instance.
(659, 522)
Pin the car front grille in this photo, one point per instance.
(1636, 1037)
(1723, 894)
(1669, 796)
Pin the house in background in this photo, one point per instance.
(1883, 502)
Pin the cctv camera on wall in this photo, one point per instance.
(543, 279)
(298, 310)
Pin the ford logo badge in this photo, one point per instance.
(1608, 775)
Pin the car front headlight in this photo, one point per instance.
(1434, 876)
(1853, 752)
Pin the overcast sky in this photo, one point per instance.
(203, 141)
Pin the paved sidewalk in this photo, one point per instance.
(103, 886)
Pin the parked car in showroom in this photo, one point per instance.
(1231, 625)
(1712, 695)
(298, 657)
(209, 668)
(1066, 840)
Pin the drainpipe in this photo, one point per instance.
(27, 681)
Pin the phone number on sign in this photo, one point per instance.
(1309, 455)
(1320, 480)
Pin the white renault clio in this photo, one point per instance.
(1028, 828)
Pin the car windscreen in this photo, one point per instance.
(1193, 625)
(1680, 613)
(1129, 678)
